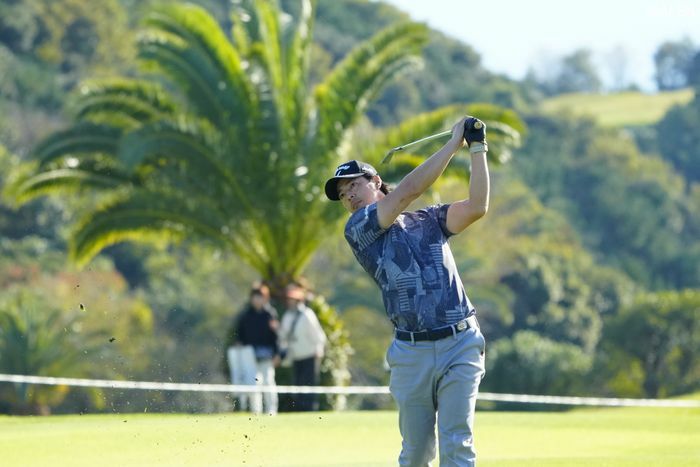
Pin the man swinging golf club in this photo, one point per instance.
(437, 356)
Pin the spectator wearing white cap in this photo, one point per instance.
(302, 341)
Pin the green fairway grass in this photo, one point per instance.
(620, 109)
(601, 437)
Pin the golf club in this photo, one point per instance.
(391, 152)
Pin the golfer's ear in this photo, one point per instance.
(378, 181)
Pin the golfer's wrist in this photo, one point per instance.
(478, 147)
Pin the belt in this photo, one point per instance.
(438, 333)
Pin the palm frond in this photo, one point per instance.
(153, 217)
(186, 138)
(65, 180)
(341, 98)
(192, 151)
(83, 138)
(188, 70)
(277, 121)
(246, 24)
(296, 65)
(268, 129)
(274, 131)
(269, 35)
(207, 55)
(137, 100)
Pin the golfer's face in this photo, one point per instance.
(356, 193)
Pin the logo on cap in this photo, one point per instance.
(341, 169)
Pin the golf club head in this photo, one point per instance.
(389, 155)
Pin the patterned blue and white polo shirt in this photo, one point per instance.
(413, 265)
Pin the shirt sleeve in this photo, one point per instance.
(363, 228)
(315, 333)
(438, 213)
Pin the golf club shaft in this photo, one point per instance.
(422, 140)
(390, 154)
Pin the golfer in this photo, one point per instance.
(437, 356)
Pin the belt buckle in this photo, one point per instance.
(462, 325)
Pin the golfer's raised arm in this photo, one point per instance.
(420, 179)
(463, 213)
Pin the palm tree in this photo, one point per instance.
(224, 140)
(28, 346)
(224, 143)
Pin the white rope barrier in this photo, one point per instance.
(196, 387)
(231, 388)
(592, 401)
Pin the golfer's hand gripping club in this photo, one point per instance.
(475, 135)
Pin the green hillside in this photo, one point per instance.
(622, 109)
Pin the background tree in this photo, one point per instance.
(553, 298)
(46, 47)
(605, 187)
(664, 351)
(575, 72)
(694, 71)
(29, 347)
(38, 218)
(672, 61)
(67, 33)
(42, 335)
(679, 140)
(531, 364)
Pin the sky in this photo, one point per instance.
(514, 35)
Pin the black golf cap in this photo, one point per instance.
(350, 169)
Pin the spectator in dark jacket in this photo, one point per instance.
(253, 351)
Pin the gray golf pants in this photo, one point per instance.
(437, 380)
